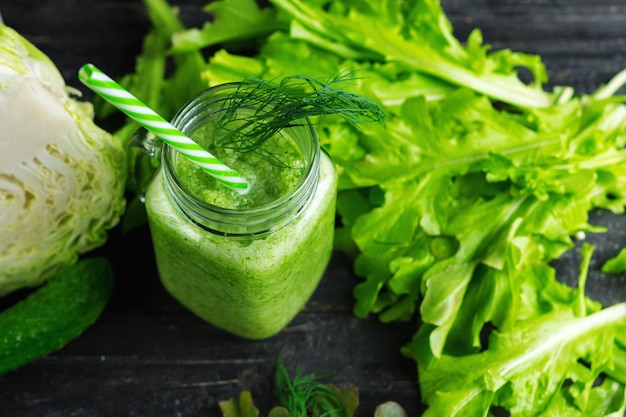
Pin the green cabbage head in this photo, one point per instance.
(62, 178)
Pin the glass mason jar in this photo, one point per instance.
(246, 264)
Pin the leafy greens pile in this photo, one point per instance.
(455, 208)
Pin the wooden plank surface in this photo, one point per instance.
(149, 357)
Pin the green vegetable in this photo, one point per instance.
(417, 35)
(242, 406)
(454, 210)
(303, 395)
(148, 82)
(62, 178)
(389, 409)
(548, 364)
(55, 313)
(525, 370)
(253, 22)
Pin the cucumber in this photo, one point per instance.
(54, 314)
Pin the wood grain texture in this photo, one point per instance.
(149, 357)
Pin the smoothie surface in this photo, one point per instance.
(273, 170)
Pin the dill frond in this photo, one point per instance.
(260, 109)
(304, 395)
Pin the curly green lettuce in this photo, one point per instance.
(62, 178)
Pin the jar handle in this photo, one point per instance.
(144, 159)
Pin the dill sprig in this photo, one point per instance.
(273, 107)
(304, 395)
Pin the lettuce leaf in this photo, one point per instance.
(416, 34)
(545, 366)
(230, 21)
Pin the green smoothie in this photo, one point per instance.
(250, 285)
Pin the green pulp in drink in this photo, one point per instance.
(273, 170)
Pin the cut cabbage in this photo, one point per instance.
(62, 178)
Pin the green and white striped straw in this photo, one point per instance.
(134, 108)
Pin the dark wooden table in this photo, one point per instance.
(147, 356)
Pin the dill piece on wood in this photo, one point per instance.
(304, 395)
